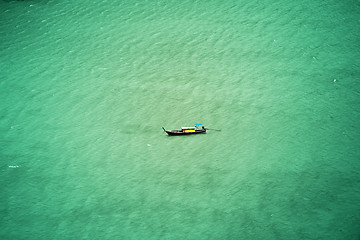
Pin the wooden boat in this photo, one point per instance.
(186, 130)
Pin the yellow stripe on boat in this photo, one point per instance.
(190, 130)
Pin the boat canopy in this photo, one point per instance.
(197, 124)
(187, 128)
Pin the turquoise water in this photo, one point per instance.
(85, 88)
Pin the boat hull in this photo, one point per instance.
(181, 133)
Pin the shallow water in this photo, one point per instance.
(86, 88)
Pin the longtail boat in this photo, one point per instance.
(186, 130)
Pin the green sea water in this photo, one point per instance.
(85, 87)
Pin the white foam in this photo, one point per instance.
(14, 166)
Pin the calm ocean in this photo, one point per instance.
(86, 87)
